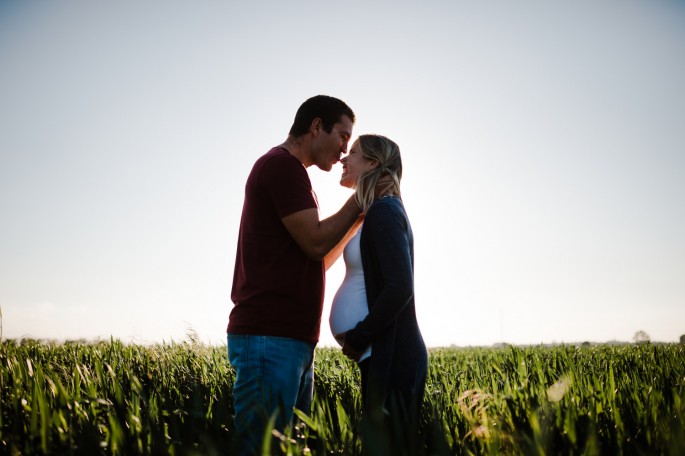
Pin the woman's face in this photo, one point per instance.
(354, 164)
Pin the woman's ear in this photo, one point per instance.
(373, 164)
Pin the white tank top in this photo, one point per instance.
(349, 305)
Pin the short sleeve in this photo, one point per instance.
(286, 182)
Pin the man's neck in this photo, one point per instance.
(296, 148)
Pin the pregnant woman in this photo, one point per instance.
(373, 315)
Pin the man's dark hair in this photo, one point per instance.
(330, 110)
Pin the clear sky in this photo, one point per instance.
(543, 146)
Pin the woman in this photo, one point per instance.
(373, 315)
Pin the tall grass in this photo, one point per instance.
(113, 398)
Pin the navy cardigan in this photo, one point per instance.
(399, 360)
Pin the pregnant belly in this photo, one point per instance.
(348, 308)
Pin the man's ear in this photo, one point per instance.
(316, 126)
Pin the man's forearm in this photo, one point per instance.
(333, 229)
(317, 237)
(337, 251)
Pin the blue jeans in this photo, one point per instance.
(272, 374)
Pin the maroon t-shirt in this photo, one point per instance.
(277, 289)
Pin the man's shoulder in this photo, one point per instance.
(277, 156)
(274, 161)
(279, 172)
(277, 153)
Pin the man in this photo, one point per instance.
(278, 283)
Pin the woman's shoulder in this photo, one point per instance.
(386, 207)
(387, 203)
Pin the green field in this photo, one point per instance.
(113, 398)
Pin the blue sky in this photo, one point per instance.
(543, 148)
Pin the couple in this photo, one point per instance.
(278, 283)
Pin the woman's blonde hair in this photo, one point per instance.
(386, 176)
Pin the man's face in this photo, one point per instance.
(331, 146)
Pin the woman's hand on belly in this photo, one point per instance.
(350, 352)
(340, 338)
